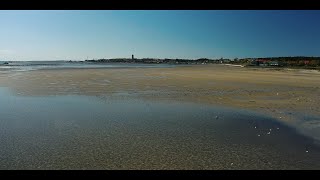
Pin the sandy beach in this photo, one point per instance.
(288, 96)
(159, 90)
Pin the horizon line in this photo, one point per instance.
(165, 58)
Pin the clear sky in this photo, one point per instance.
(76, 35)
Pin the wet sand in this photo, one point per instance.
(195, 133)
(288, 95)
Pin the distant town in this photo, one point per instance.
(294, 62)
(297, 61)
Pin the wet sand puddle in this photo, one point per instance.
(85, 132)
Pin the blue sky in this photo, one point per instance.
(76, 35)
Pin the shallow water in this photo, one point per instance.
(22, 66)
(84, 132)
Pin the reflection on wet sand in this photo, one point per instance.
(82, 132)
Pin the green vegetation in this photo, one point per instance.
(282, 61)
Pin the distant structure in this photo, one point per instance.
(132, 56)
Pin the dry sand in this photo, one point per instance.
(285, 94)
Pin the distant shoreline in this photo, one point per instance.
(310, 63)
